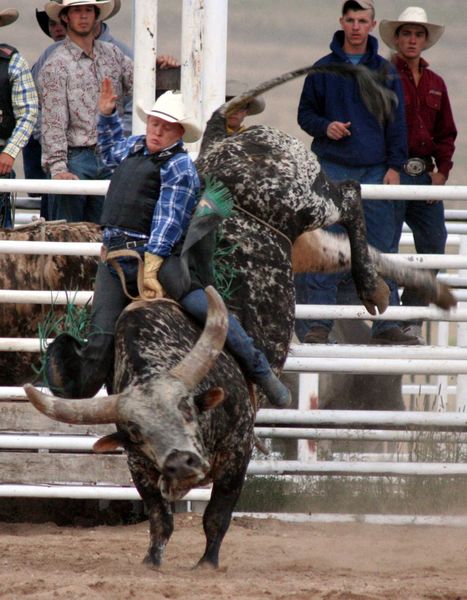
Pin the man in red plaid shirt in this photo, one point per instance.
(431, 135)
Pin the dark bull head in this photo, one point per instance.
(159, 416)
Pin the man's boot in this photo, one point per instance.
(276, 392)
(75, 369)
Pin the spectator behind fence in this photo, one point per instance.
(350, 143)
(69, 86)
(32, 151)
(431, 135)
(18, 110)
(235, 119)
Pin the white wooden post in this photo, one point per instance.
(214, 56)
(145, 50)
(192, 40)
(204, 56)
(308, 390)
(442, 380)
(461, 399)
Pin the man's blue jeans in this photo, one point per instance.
(109, 301)
(32, 154)
(84, 163)
(338, 288)
(427, 224)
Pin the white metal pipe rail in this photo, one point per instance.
(312, 364)
(393, 313)
(361, 418)
(369, 191)
(84, 443)
(86, 492)
(376, 365)
(414, 389)
(382, 352)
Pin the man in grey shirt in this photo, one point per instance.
(69, 85)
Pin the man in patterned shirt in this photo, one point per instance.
(18, 110)
(69, 86)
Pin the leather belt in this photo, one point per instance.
(121, 242)
(417, 166)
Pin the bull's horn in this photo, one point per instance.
(200, 359)
(88, 411)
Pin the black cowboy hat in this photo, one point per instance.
(43, 21)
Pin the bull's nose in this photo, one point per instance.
(182, 465)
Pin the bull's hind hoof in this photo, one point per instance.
(445, 299)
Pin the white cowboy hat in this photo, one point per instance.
(415, 16)
(169, 107)
(235, 88)
(8, 16)
(116, 8)
(53, 9)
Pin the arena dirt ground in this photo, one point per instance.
(259, 560)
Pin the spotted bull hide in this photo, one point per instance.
(279, 193)
(39, 272)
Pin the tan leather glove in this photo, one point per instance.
(152, 264)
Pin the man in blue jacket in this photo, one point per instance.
(350, 143)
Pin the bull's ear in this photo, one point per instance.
(110, 443)
(210, 399)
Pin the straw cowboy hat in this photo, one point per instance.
(106, 7)
(235, 88)
(8, 16)
(415, 16)
(43, 18)
(169, 107)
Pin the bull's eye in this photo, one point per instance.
(185, 406)
(134, 433)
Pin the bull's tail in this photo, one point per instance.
(320, 251)
(379, 99)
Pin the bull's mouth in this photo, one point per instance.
(174, 489)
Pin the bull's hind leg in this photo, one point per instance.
(218, 514)
(161, 523)
(372, 290)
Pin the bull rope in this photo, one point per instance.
(111, 258)
(259, 220)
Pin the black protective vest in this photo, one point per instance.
(7, 117)
(134, 190)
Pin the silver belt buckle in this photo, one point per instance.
(415, 166)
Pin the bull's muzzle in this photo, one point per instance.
(180, 466)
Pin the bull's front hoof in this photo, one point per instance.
(151, 561)
(206, 565)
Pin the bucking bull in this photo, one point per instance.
(185, 417)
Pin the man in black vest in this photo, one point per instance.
(152, 195)
(18, 110)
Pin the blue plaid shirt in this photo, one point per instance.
(179, 185)
(25, 104)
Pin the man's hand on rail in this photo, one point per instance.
(6, 163)
(65, 175)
